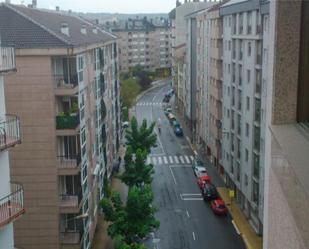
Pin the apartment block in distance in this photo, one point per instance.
(286, 219)
(143, 42)
(243, 109)
(66, 91)
(11, 193)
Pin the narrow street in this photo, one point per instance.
(187, 222)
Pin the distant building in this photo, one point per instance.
(11, 193)
(143, 42)
(66, 91)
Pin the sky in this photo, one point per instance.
(111, 6)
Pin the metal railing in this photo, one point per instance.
(70, 237)
(7, 59)
(9, 131)
(64, 81)
(12, 205)
(69, 161)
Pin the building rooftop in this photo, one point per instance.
(24, 27)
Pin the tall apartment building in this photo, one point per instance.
(143, 42)
(243, 113)
(11, 193)
(286, 220)
(66, 91)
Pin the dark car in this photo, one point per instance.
(178, 131)
(166, 99)
(167, 111)
(209, 192)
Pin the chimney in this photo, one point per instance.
(95, 30)
(83, 30)
(34, 3)
(57, 8)
(65, 29)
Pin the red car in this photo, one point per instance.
(218, 207)
(202, 180)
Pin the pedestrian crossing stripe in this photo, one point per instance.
(149, 104)
(169, 160)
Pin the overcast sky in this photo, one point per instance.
(113, 6)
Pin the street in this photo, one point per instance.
(187, 222)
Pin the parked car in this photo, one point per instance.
(125, 124)
(197, 162)
(167, 111)
(170, 93)
(202, 180)
(218, 207)
(199, 171)
(171, 117)
(209, 192)
(166, 98)
(178, 131)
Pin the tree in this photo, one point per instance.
(134, 221)
(141, 137)
(137, 172)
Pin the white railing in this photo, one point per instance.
(7, 59)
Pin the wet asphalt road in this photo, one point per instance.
(187, 222)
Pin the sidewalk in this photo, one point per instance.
(249, 236)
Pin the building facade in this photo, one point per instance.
(11, 193)
(286, 220)
(143, 42)
(66, 90)
(242, 122)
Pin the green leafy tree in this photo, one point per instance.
(134, 221)
(142, 137)
(137, 172)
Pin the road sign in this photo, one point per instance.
(231, 193)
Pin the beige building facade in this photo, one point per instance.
(66, 90)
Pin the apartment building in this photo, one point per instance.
(66, 91)
(11, 193)
(286, 220)
(143, 42)
(243, 116)
(184, 80)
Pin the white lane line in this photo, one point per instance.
(154, 160)
(188, 214)
(148, 160)
(173, 176)
(193, 235)
(192, 158)
(171, 159)
(146, 103)
(160, 160)
(181, 159)
(190, 194)
(165, 160)
(236, 228)
(192, 199)
(181, 166)
(176, 159)
(187, 159)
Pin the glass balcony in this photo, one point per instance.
(9, 131)
(7, 59)
(69, 164)
(67, 121)
(12, 205)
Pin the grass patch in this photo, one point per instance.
(130, 89)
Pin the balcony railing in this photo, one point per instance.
(67, 121)
(7, 59)
(12, 205)
(9, 131)
(69, 201)
(70, 237)
(69, 162)
(66, 81)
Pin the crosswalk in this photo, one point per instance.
(170, 160)
(149, 104)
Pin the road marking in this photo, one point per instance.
(236, 228)
(187, 159)
(148, 160)
(192, 158)
(165, 160)
(176, 159)
(191, 197)
(154, 160)
(188, 214)
(193, 234)
(191, 194)
(181, 159)
(173, 176)
(159, 160)
(147, 104)
(181, 166)
(171, 159)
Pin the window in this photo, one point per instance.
(246, 180)
(248, 76)
(248, 103)
(80, 68)
(249, 23)
(229, 45)
(238, 172)
(255, 192)
(247, 155)
(249, 48)
(247, 129)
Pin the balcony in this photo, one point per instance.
(69, 165)
(67, 124)
(70, 237)
(9, 131)
(7, 59)
(66, 85)
(12, 206)
(70, 203)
